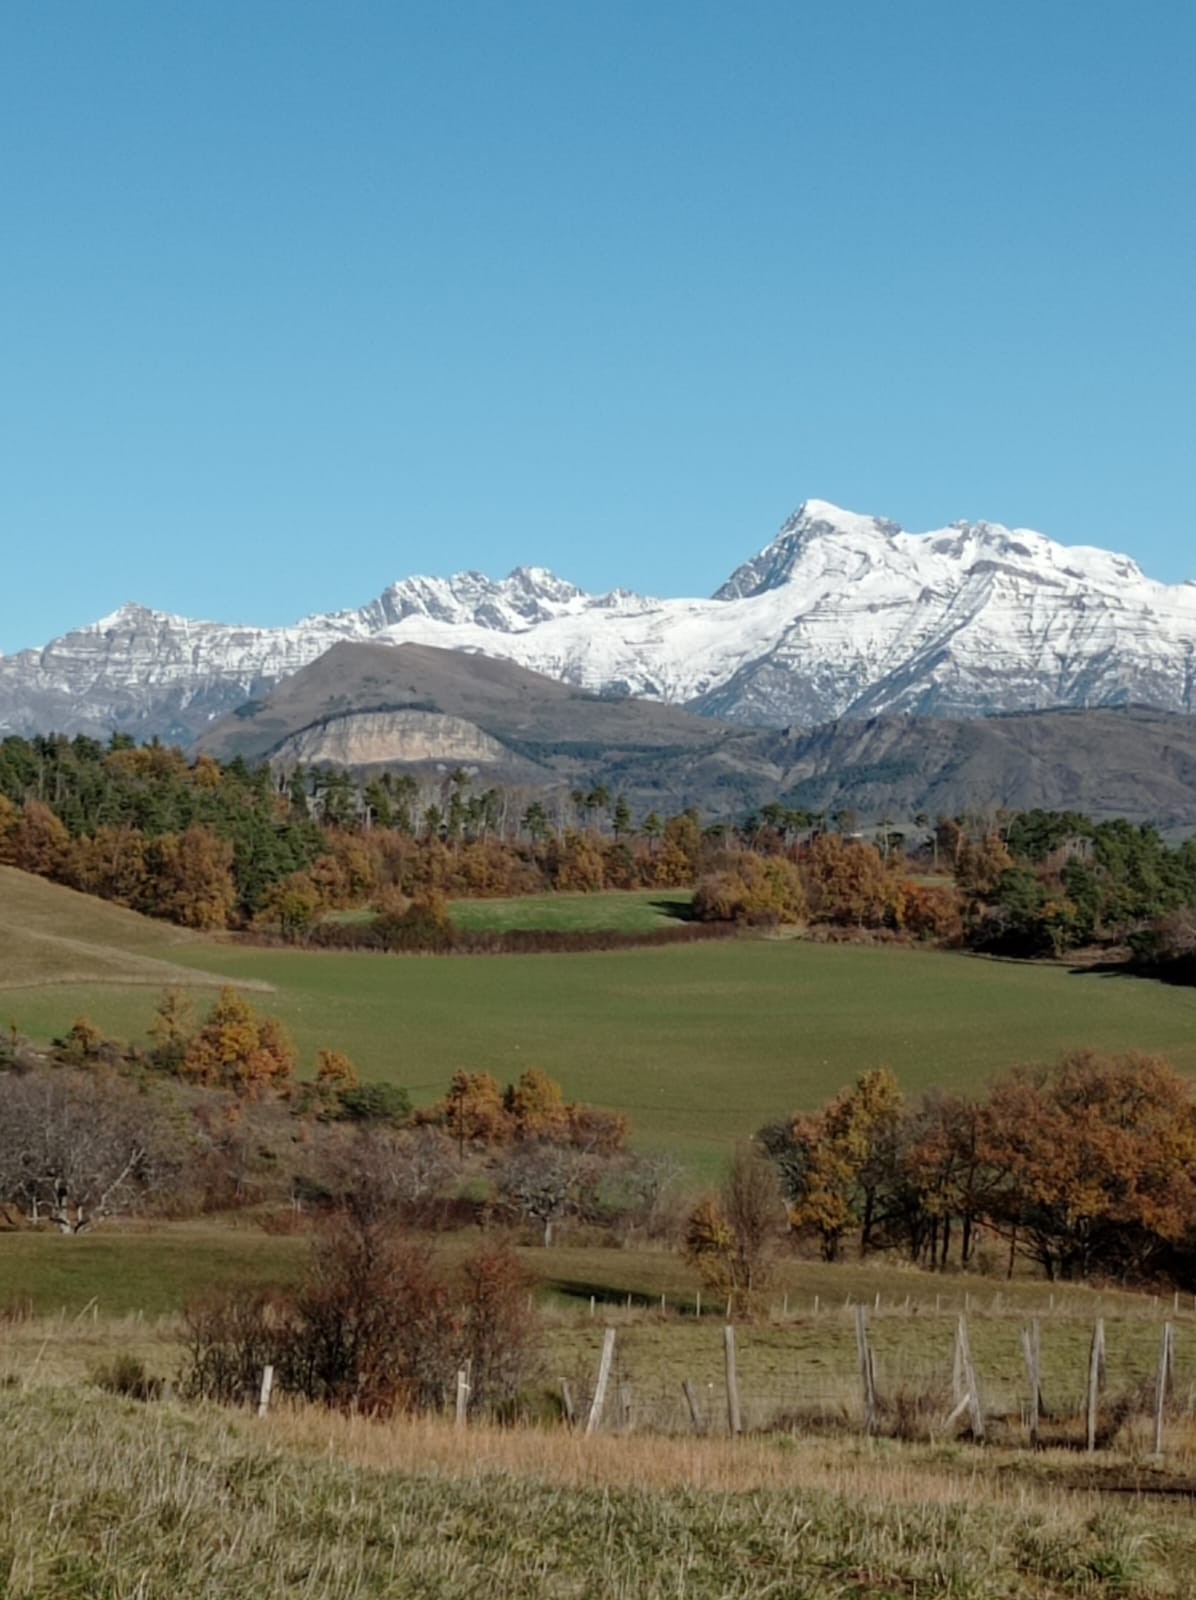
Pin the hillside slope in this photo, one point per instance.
(428, 710)
(1132, 763)
(52, 935)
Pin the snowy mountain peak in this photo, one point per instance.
(125, 616)
(813, 520)
(839, 615)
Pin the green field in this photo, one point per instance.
(621, 910)
(700, 1044)
(625, 911)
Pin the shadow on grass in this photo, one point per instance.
(677, 910)
(1181, 975)
(606, 1296)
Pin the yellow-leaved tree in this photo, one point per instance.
(238, 1050)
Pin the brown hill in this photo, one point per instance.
(368, 706)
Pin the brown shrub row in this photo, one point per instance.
(512, 941)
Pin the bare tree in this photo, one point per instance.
(546, 1182)
(378, 1175)
(77, 1147)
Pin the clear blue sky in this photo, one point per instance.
(297, 298)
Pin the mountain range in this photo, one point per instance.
(840, 616)
(427, 711)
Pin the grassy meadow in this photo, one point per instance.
(68, 1304)
(569, 911)
(106, 1497)
(699, 1045)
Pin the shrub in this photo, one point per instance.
(385, 1103)
(751, 890)
(126, 1375)
(378, 1326)
(228, 1338)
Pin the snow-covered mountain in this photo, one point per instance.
(841, 615)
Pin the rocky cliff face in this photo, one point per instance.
(392, 738)
(841, 615)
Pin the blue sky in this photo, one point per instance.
(296, 298)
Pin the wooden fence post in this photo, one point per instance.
(608, 1352)
(1096, 1366)
(969, 1378)
(624, 1406)
(734, 1423)
(567, 1402)
(867, 1371)
(695, 1413)
(1032, 1351)
(1166, 1367)
(462, 1397)
(263, 1399)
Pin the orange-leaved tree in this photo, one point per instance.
(236, 1049)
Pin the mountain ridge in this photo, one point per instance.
(839, 615)
(425, 710)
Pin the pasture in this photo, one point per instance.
(625, 911)
(700, 1044)
(119, 1291)
(111, 1496)
(50, 935)
(567, 911)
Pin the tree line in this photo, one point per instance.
(1085, 1166)
(214, 845)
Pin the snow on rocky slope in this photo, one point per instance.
(840, 615)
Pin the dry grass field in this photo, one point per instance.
(104, 1497)
(51, 937)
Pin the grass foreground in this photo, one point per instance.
(105, 1498)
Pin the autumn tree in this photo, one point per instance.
(980, 865)
(172, 1029)
(291, 905)
(536, 1107)
(751, 889)
(838, 1163)
(472, 1111)
(728, 1235)
(847, 882)
(36, 841)
(86, 1045)
(336, 1076)
(236, 1049)
(1096, 1161)
(189, 878)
